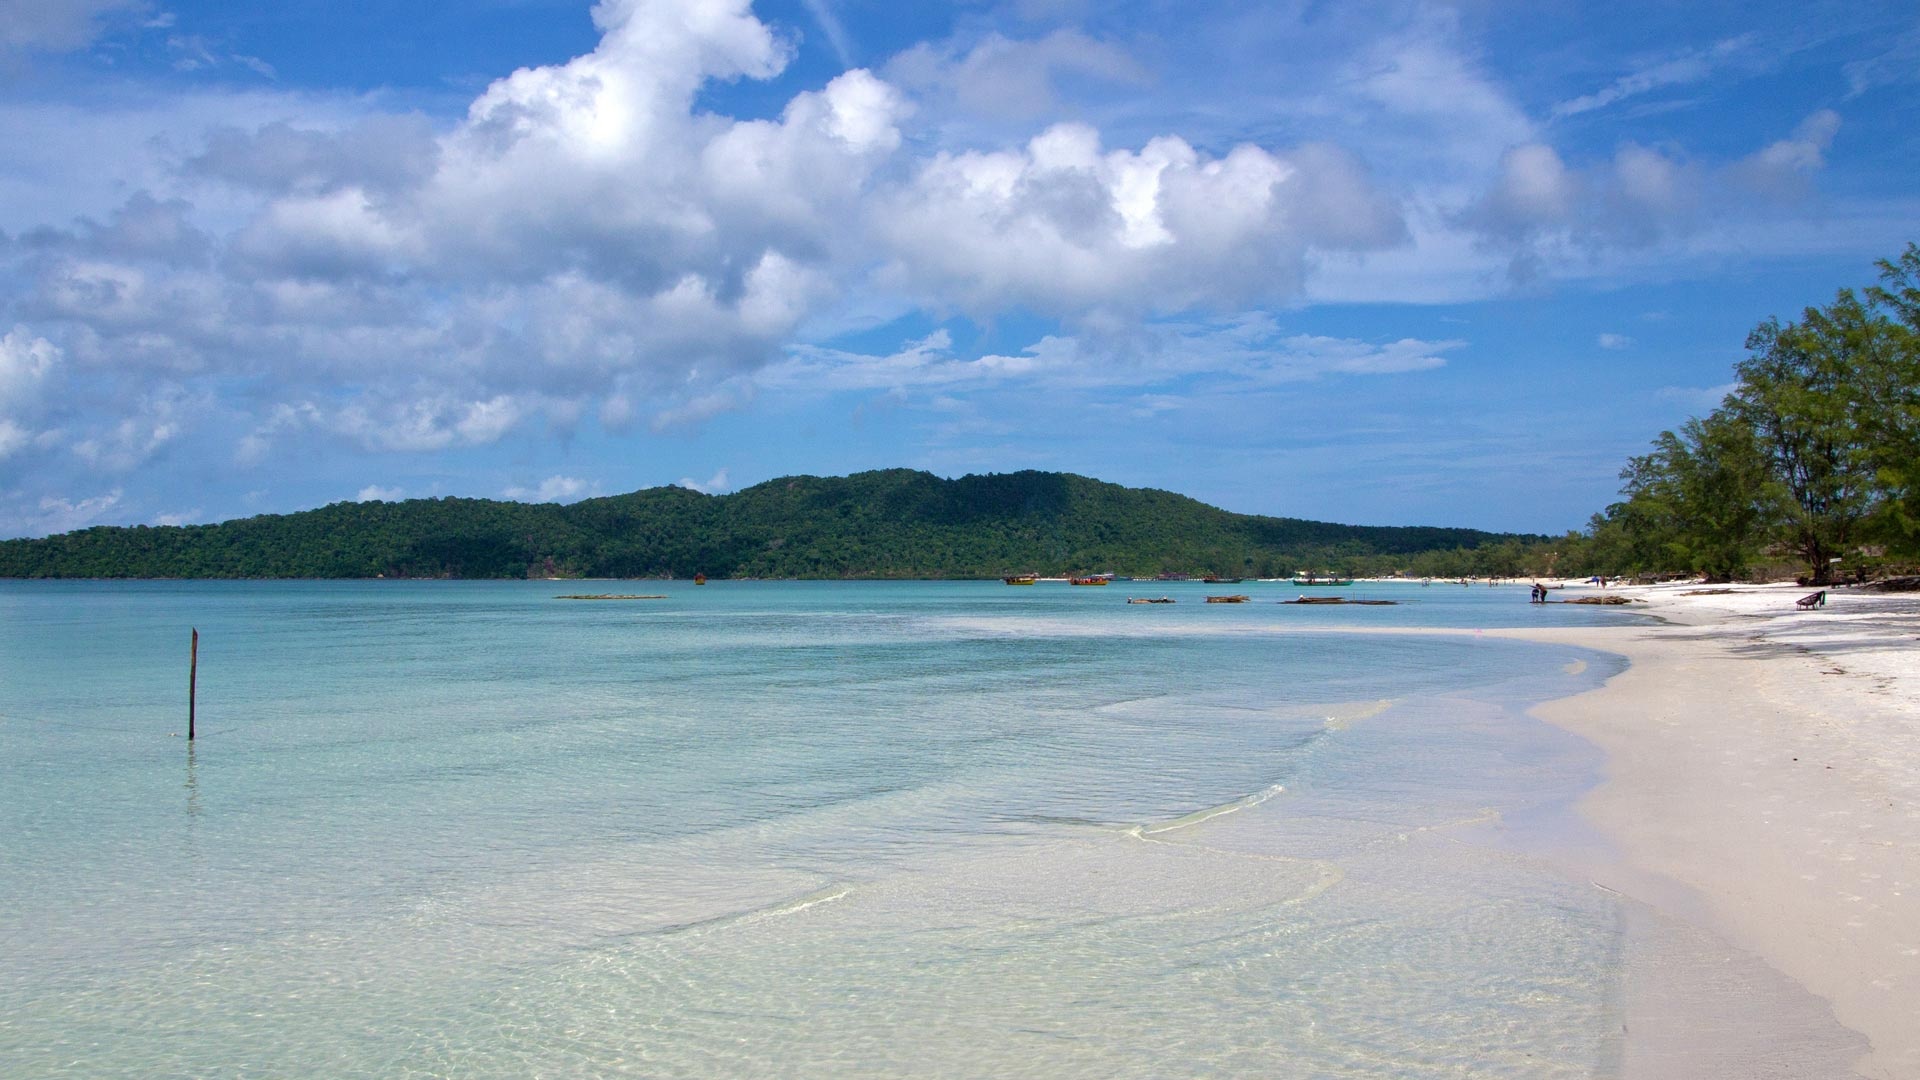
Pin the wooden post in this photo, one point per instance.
(193, 680)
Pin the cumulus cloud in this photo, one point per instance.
(598, 241)
(376, 493)
(713, 485)
(155, 421)
(1065, 226)
(27, 364)
(1540, 209)
(60, 514)
(381, 154)
(1782, 169)
(1614, 342)
(552, 489)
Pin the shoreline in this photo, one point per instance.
(1761, 794)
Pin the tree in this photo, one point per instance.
(1800, 390)
(1890, 390)
(1702, 495)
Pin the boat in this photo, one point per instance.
(1237, 598)
(1096, 579)
(1211, 580)
(1149, 600)
(1020, 579)
(699, 579)
(1341, 600)
(1315, 579)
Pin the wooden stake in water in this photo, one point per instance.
(193, 680)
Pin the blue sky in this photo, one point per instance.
(1381, 263)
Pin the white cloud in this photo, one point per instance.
(998, 77)
(1248, 351)
(12, 438)
(1698, 397)
(60, 25)
(1688, 67)
(1781, 169)
(1615, 341)
(552, 489)
(376, 493)
(156, 420)
(713, 485)
(829, 24)
(58, 514)
(1898, 63)
(1066, 227)
(26, 362)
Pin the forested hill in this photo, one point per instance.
(895, 523)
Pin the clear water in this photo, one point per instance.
(789, 829)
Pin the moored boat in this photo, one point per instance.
(1096, 579)
(1237, 598)
(1020, 579)
(1315, 579)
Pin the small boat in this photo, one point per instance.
(1315, 579)
(1237, 598)
(1211, 580)
(1020, 579)
(1341, 600)
(1149, 600)
(699, 579)
(1096, 579)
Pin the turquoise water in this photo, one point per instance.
(790, 829)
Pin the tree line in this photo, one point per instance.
(1814, 457)
(893, 523)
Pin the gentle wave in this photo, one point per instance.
(1199, 816)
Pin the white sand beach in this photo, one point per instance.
(1762, 803)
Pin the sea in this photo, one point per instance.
(795, 829)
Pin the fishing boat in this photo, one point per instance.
(1315, 579)
(1149, 600)
(699, 579)
(1095, 579)
(1020, 579)
(1211, 580)
(1237, 598)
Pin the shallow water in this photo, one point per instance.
(961, 829)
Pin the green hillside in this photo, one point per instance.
(894, 523)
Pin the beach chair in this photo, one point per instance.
(1811, 601)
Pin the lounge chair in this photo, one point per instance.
(1811, 601)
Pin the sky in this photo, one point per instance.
(1368, 262)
